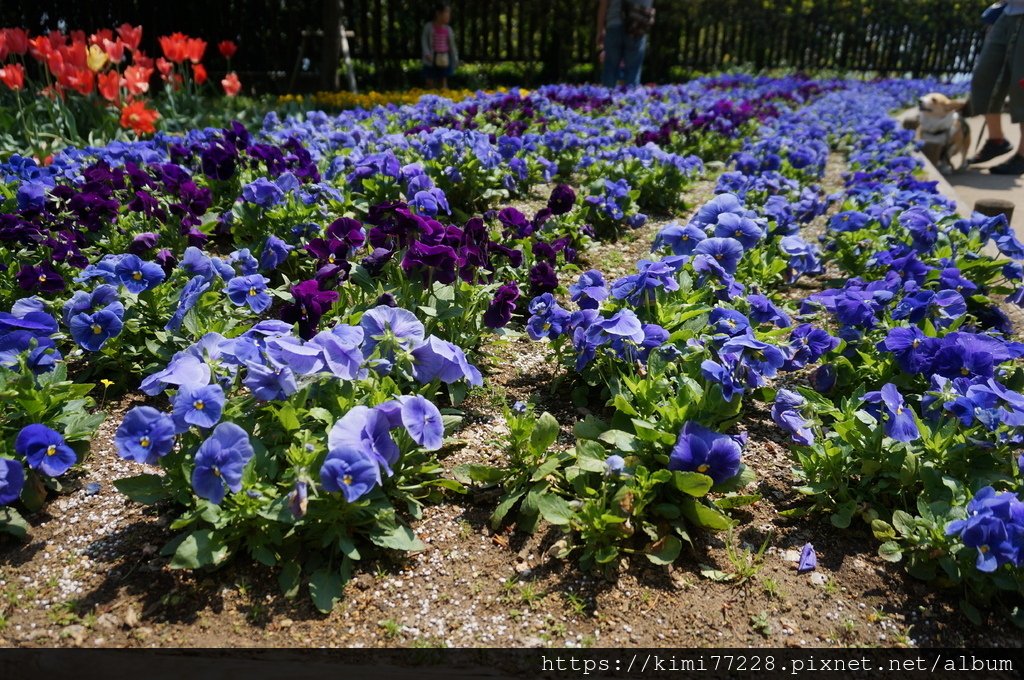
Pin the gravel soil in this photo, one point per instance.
(91, 573)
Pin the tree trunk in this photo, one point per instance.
(329, 71)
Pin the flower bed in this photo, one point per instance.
(304, 307)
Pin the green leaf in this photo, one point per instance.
(589, 428)
(201, 548)
(400, 537)
(665, 550)
(736, 500)
(621, 440)
(692, 483)
(33, 494)
(289, 579)
(971, 612)
(904, 522)
(506, 504)
(715, 575)
(590, 455)
(468, 473)
(882, 530)
(545, 431)
(606, 554)
(890, 551)
(326, 587)
(705, 516)
(11, 522)
(288, 418)
(843, 515)
(554, 509)
(146, 489)
(737, 482)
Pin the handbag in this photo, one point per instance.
(441, 59)
(638, 18)
(992, 13)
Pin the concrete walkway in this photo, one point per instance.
(976, 183)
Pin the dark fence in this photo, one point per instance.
(551, 37)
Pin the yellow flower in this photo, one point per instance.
(106, 383)
(95, 58)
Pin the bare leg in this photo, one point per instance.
(1020, 147)
(444, 83)
(994, 121)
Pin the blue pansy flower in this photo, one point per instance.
(725, 252)
(898, 418)
(145, 435)
(351, 471)
(270, 384)
(369, 430)
(220, 461)
(12, 480)
(438, 359)
(275, 252)
(589, 290)
(250, 290)
(199, 406)
(392, 327)
(137, 275)
(707, 452)
(91, 331)
(189, 297)
(262, 192)
(44, 450)
(422, 420)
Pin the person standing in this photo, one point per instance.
(440, 56)
(1000, 68)
(622, 27)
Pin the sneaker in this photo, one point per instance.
(1013, 166)
(991, 150)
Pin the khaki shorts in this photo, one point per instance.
(1000, 68)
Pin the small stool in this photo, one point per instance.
(995, 206)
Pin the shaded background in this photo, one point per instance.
(283, 48)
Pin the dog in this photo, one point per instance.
(944, 131)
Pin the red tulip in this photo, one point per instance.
(137, 79)
(39, 47)
(13, 76)
(194, 49)
(139, 58)
(81, 80)
(114, 50)
(199, 73)
(164, 67)
(227, 48)
(131, 36)
(232, 86)
(99, 36)
(17, 40)
(175, 47)
(109, 85)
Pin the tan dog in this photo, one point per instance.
(945, 133)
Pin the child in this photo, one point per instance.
(440, 57)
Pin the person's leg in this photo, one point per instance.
(994, 123)
(1015, 164)
(633, 57)
(989, 83)
(612, 56)
(1017, 78)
